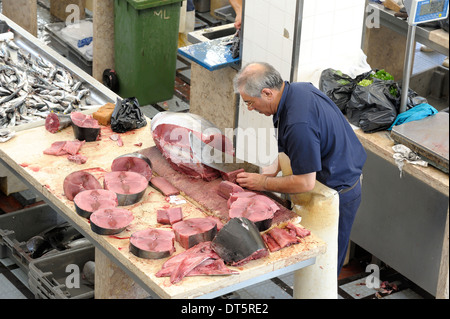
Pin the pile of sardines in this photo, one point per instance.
(31, 87)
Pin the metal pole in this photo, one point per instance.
(410, 48)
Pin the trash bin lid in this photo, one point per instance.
(146, 4)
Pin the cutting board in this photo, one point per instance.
(428, 137)
(212, 55)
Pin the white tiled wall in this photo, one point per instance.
(269, 32)
(331, 35)
(268, 36)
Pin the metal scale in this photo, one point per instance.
(428, 137)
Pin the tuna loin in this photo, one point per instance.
(196, 261)
(170, 132)
(161, 184)
(226, 189)
(231, 176)
(238, 242)
(79, 181)
(190, 232)
(152, 243)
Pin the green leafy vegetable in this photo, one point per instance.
(343, 82)
(382, 75)
(365, 82)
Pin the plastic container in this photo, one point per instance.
(146, 43)
(17, 227)
(226, 13)
(51, 278)
(67, 48)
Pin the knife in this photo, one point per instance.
(216, 158)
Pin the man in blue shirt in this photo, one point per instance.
(316, 137)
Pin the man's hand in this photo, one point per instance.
(252, 181)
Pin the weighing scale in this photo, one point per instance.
(419, 11)
(428, 137)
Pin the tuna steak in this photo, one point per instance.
(171, 135)
(133, 162)
(110, 221)
(129, 186)
(88, 201)
(238, 242)
(79, 181)
(85, 127)
(257, 208)
(56, 122)
(190, 232)
(152, 243)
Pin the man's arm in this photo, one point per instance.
(237, 6)
(291, 184)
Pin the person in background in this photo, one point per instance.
(187, 22)
(237, 6)
(316, 137)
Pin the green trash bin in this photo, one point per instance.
(146, 43)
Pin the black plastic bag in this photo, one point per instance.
(127, 116)
(339, 86)
(373, 108)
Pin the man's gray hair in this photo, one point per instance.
(259, 76)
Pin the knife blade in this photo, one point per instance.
(216, 158)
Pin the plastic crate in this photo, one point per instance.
(65, 48)
(227, 13)
(17, 227)
(50, 278)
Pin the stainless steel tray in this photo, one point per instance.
(99, 94)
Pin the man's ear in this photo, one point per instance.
(267, 93)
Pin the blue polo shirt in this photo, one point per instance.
(316, 137)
